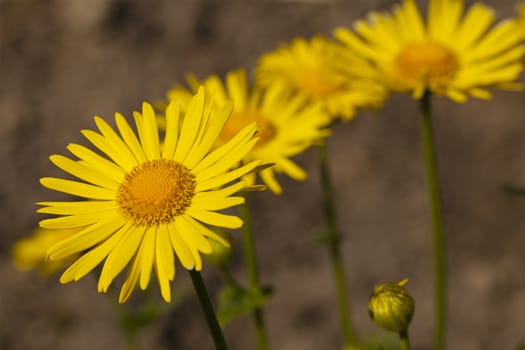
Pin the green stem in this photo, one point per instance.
(213, 324)
(437, 221)
(333, 239)
(249, 244)
(230, 280)
(253, 272)
(403, 339)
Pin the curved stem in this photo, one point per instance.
(253, 271)
(209, 312)
(403, 339)
(437, 221)
(333, 240)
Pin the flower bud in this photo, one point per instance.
(391, 307)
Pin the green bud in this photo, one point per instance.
(391, 307)
(220, 254)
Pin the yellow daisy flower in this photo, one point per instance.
(145, 203)
(451, 54)
(30, 253)
(304, 67)
(287, 124)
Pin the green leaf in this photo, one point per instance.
(235, 302)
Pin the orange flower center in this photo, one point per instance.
(317, 83)
(156, 191)
(426, 62)
(238, 120)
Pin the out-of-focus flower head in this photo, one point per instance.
(452, 53)
(30, 252)
(287, 123)
(307, 67)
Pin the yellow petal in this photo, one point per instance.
(180, 247)
(131, 280)
(87, 238)
(78, 188)
(129, 137)
(82, 172)
(172, 130)
(90, 260)
(191, 125)
(97, 163)
(149, 136)
(215, 219)
(147, 256)
(120, 256)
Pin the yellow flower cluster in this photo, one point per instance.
(147, 196)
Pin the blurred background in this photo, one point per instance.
(61, 62)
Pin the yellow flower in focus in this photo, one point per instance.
(451, 54)
(287, 124)
(30, 253)
(305, 67)
(145, 205)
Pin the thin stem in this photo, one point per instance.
(333, 239)
(260, 330)
(230, 280)
(209, 312)
(253, 272)
(437, 221)
(403, 339)
(249, 244)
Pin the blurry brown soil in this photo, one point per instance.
(61, 62)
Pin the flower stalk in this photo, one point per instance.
(431, 170)
(209, 312)
(253, 272)
(403, 338)
(332, 238)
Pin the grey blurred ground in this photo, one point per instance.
(63, 61)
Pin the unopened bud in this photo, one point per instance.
(391, 307)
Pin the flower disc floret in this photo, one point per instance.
(156, 191)
(426, 61)
(239, 119)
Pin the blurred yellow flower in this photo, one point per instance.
(145, 204)
(521, 19)
(305, 67)
(451, 54)
(30, 253)
(287, 124)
